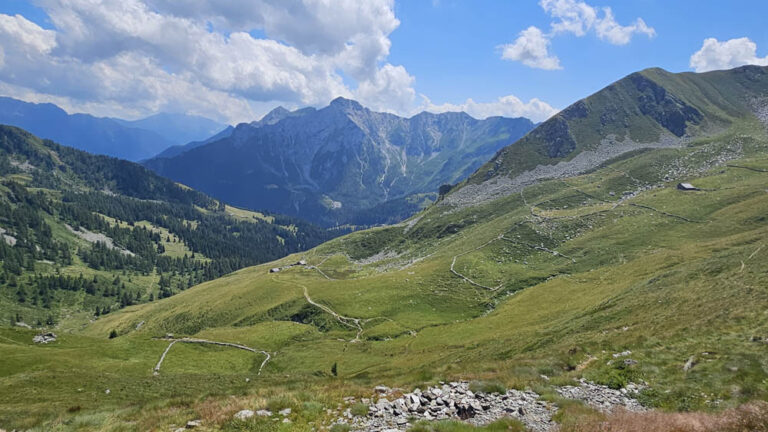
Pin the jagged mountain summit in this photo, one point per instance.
(132, 140)
(343, 163)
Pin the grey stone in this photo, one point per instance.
(244, 414)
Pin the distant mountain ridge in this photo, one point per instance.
(132, 140)
(177, 128)
(332, 165)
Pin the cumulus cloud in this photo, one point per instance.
(211, 58)
(725, 55)
(532, 49)
(532, 46)
(609, 30)
(507, 106)
(579, 18)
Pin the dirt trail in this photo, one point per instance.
(348, 321)
(267, 355)
(453, 263)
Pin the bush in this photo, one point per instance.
(508, 425)
(359, 409)
(113, 334)
(487, 387)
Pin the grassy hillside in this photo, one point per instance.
(84, 235)
(581, 274)
(644, 107)
(532, 289)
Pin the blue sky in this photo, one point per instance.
(131, 58)
(450, 46)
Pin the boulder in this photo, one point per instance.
(264, 413)
(194, 423)
(44, 338)
(244, 414)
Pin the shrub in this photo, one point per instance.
(487, 387)
(359, 409)
(339, 427)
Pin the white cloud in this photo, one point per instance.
(609, 30)
(578, 17)
(575, 17)
(507, 106)
(532, 49)
(725, 55)
(389, 90)
(202, 57)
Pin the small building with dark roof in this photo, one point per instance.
(686, 187)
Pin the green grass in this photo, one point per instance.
(634, 279)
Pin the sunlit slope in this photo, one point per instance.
(597, 264)
(645, 107)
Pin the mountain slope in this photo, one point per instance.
(177, 128)
(65, 213)
(613, 275)
(328, 165)
(648, 109)
(112, 137)
(179, 149)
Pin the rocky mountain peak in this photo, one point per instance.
(344, 104)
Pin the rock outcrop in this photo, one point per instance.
(455, 400)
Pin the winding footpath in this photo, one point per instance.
(267, 355)
(466, 279)
(354, 323)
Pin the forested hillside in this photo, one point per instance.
(89, 234)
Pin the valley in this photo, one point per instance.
(564, 289)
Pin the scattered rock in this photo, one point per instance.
(603, 398)
(194, 423)
(264, 413)
(689, 364)
(107, 391)
(381, 389)
(44, 338)
(285, 412)
(244, 414)
(454, 400)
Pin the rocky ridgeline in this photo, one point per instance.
(389, 413)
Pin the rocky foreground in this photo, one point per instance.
(391, 411)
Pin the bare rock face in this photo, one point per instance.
(329, 164)
(44, 338)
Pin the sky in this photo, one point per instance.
(234, 60)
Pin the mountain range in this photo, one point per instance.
(340, 164)
(571, 282)
(126, 139)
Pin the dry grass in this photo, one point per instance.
(751, 417)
